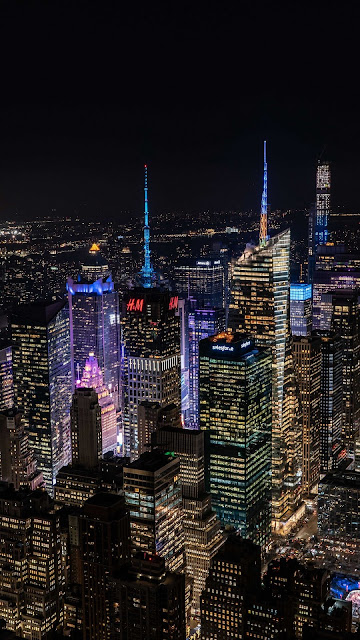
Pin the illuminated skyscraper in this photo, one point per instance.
(233, 582)
(94, 323)
(6, 377)
(203, 537)
(235, 412)
(92, 378)
(259, 307)
(307, 352)
(331, 400)
(31, 575)
(17, 462)
(150, 356)
(95, 266)
(323, 184)
(319, 216)
(86, 432)
(153, 493)
(203, 285)
(42, 382)
(346, 322)
(300, 309)
(203, 280)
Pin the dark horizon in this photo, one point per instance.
(91, 92)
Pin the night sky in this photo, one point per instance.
(92, 90)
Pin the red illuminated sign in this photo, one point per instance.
(135, 304)
(173, 304)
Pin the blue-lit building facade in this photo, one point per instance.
(42, 382)
(95, 328)
(235, 413)
(202, 323)
(300, 309)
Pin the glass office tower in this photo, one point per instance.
(259, 306)
(346, 322)
(203, 286)
(204, 280)
(331, 400)
(307, 352)
(235, 412)
(42, 382)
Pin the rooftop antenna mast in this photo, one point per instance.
(264, 206)
(147, 270)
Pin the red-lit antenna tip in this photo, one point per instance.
(145, 166)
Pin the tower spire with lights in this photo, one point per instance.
(147, 271)
(264, 206)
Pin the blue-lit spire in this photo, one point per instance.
(264, 206)
(147, 271)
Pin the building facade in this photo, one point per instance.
(307, 352)
(86, 432)
(17, 463)
(93, 378)
(346, 322)
(259, 307)
(104, 548)
(153, 494)
(95, 327)
(150, 601)
(331, 398)
(202, 323)
(300, 309)
(235, 413)
(42, 382)
(150, 356)
(203, 537)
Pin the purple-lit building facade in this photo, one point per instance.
(202, 323)
(95, 327)
(92, 378)
(202, 285)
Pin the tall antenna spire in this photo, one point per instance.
(264, 206)
(147, 270)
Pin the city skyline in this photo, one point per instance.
(179, 321)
